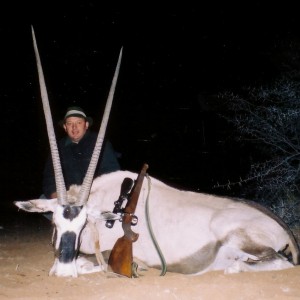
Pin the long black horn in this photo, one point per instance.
(88, 180)
(59, 179)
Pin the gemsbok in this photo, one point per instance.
(179, 231)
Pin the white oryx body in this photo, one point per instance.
(196, 232)
(192, 229)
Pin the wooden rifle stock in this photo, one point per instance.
(121, 257)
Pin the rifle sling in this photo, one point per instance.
(149, 226)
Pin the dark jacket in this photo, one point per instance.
(75, 159)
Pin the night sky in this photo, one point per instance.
(175, 59)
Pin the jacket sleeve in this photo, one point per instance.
(108, 161)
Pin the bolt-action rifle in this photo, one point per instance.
(121, 258)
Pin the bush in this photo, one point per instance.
(268, 117)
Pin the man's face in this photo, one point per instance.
(76, 128)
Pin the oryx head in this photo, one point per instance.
(69, 209)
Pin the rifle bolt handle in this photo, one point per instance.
(134, 220)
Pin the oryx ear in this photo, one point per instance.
(102, 216)
(38, 205)
(107, 215)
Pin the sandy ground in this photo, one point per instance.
(26, 257)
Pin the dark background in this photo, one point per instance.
(176, 59)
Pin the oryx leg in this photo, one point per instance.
(266, 260)
(84, 266)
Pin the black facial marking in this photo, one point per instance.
(67, 252)
(71, 212)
